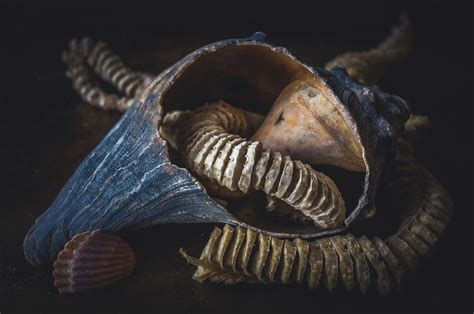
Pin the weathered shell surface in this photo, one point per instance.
(92, 259)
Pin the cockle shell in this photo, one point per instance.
(92, 259)
(128, 181)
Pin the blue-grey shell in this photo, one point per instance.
(128, 181)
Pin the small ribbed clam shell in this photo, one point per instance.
(92, 259)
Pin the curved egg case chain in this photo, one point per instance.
(231, 161)
(235, 255)
(85, 59)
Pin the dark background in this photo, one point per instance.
(46, 131)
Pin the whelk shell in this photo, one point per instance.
(128, 181)
(231, 256)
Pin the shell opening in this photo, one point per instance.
(250, 77)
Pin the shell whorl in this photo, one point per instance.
(350, 260)
(212, 141)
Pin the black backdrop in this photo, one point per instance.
(46, 133)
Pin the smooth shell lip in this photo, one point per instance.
(91, 260)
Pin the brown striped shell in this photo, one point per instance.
(92, 259)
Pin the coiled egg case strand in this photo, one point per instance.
(343, 260)
(214, 145)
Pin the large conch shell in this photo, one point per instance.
(128, 181)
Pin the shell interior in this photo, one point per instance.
(253, 77)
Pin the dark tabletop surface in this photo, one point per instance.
(47, 131)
